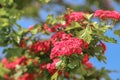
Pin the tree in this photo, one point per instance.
(74, 38)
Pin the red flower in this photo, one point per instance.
(40, 46)
(89, 65)
(66, 74)
(9, 65)
(86, 62)
(27, 76)
(85, 45)
(85, 58)
(21, 60)
(58, 36)
(103, 46)
(22, 44)
(43, 66)
(6, 77)
(49, 29)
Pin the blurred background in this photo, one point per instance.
(36, 12)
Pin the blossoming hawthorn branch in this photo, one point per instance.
(74, 39)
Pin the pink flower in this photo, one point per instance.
(6, 77)
(104, 14)
(74, 16)
(12, 64)
(51, 67)
(9, 65)
(31, 27)
(58, 36)
(67, 47)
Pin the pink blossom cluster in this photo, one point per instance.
(105, 14)
(12, 65)
(67, 47)
(43, 46)
(58, 36)
(51, 67)
(74, 16)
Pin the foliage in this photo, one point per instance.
(74, 38)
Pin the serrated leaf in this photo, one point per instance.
(109, 39)
(88, 16)
(3, 12)
(117, 32)
(4, 22)
(54, 76)
(74, 25)
(82, 70)
(10, 52)
(44, 1)
(105, 38)
(101, 28)
(101, 58)
(19, 73)
(34, 31)
(71, 66)
(85, 34)
(3, 70)
(49, 18)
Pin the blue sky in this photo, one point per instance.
(113, 50)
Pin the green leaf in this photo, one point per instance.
(88, 16)
(10, 52)
(74, 25)
(83, 70)
(4, 22)
(54, 76)
(3, 12)
(71, 66)
(34, 31)
(49, 18)
(85, 34)
(44, 1)
(3, 70)
(109, 39)
(105, 38)
(102, 28)
(101, 58)
(117, 32)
